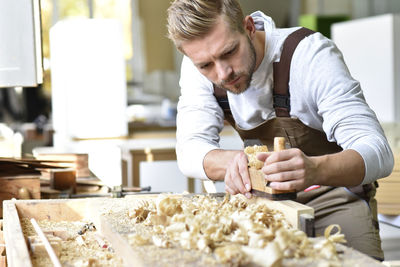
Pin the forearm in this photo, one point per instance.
(216, 161)
(345, 168)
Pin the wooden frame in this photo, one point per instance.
(57, 210)
(11, 187)
(81, 209)
(148, 154)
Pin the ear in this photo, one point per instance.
(249, 26)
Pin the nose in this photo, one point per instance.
(224, 70)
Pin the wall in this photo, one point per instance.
(159, 49)
(354, 8)
(160, 60)
(278, 10)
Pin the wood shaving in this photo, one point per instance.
(251, 152)
(75, 249)
(232, 231)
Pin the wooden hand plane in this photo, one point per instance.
(259, 187)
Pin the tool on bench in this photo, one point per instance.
(258, 184)
(117, 192)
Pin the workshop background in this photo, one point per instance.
(94, 83)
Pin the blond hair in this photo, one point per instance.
(191, 19)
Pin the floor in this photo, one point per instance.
(390, 235)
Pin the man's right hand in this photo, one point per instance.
(230, 166)
(237, 179)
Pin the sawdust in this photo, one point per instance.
(202, 231)
(76, 250)
(192, 231)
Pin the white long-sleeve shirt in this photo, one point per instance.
(323, 95)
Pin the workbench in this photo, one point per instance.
(119, 159)
(74, 210)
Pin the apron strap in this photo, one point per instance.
(281, 92)
(223, 102)
(281, 95)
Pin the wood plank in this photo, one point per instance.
(394, 177)
(52, 254)
(16, 249)
(52, 210)
(77, 161)
(257, 177)
(78, 209)
(2, 243)
(10, 188)
(63, 179)
(391, 263)
(258, 183)
(120, 245)
(353, 257)
(388, 193)
(389, 209)
(291, 210)
(396, 162)
(56, 209)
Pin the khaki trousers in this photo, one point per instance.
(357, 216)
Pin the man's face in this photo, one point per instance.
(227, 58)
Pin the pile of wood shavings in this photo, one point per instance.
(251, 153)
(76, 250)
(234, 232)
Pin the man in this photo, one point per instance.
(240, 69)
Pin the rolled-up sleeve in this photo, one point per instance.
(341, 107)
(199, 121)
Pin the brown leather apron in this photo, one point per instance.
(354, 209)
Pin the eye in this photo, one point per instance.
(204, 66)
(230, 52)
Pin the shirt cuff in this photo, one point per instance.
(372, 162)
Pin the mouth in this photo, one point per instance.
(234, 81)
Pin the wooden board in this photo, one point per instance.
(120, 244)
(10, 188)
(16, 249)
(291, 210)
(53, 210)
(387, 194)
(79, 209)
(258, 183)
(77, 161)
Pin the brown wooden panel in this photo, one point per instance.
(388, 193)
(10, 187)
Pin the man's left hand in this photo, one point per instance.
(289, 169)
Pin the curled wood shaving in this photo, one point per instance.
(251, 152)
(326, 247)
(232, 229)
(336, 237)
(168, 206)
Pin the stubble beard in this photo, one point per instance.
(247, 73)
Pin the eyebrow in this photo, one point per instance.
(226, 49)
